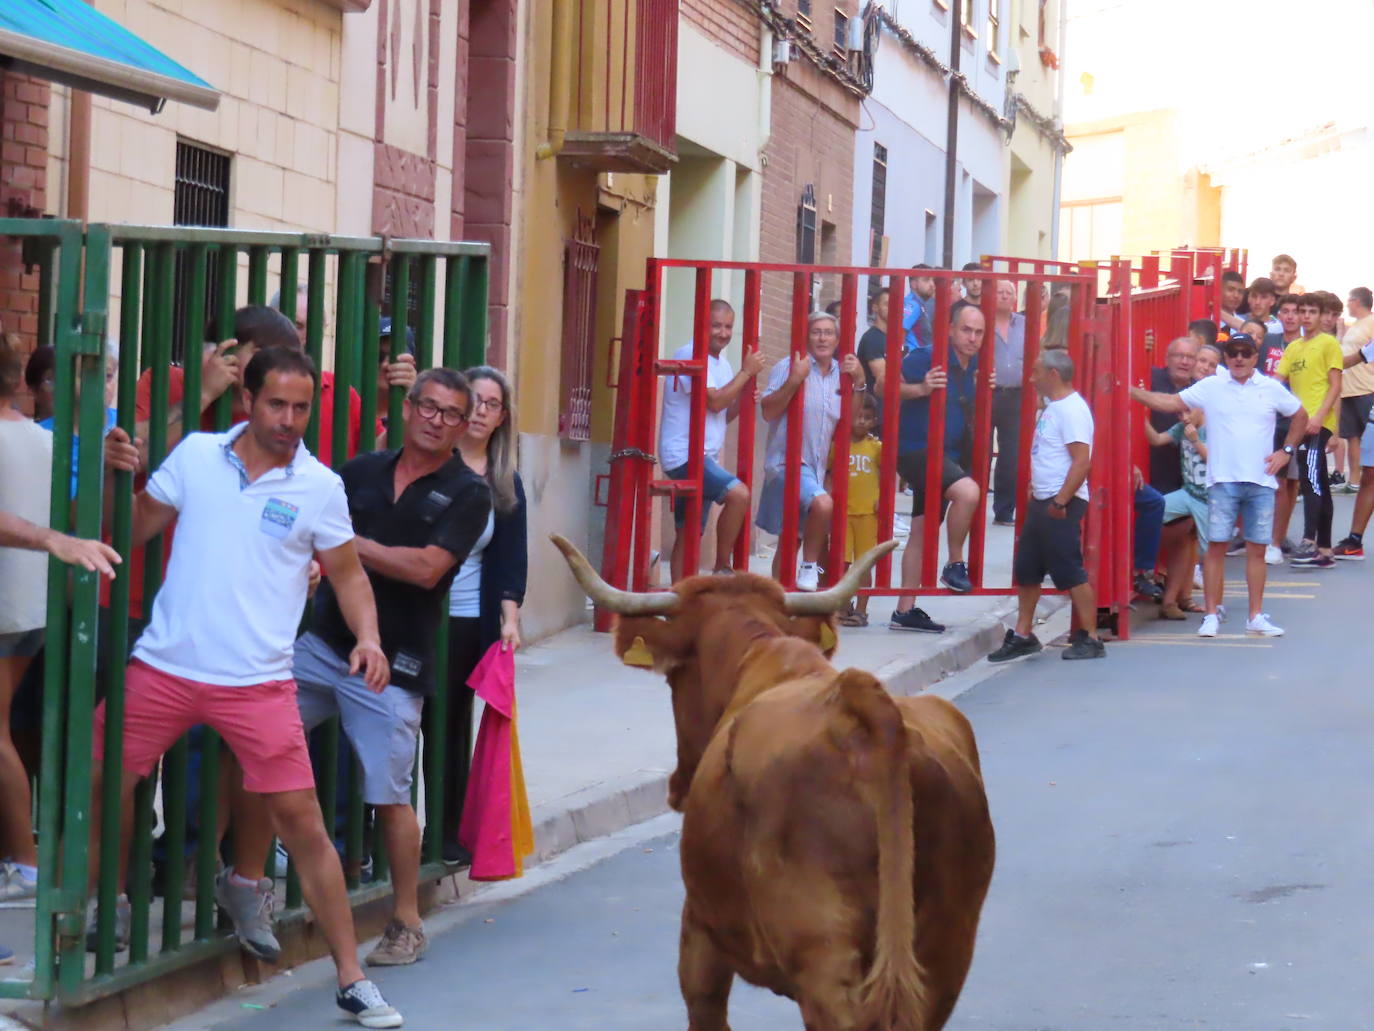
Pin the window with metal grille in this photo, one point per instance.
(580, 258)
(804, 14)
(994, 26)
(841, 34)
(878, 206)
(200, 198)
(806, 227)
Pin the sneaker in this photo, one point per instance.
(1260, 626)
(454, 854)
(1349, 488)
(1322, 562)
(1014, 647)
(1147, 588)
(363, 1000)
(249, 908)
(901, 526)
(123, 917)
(6, 955)
(1084, 646)
(915, 619)
(1288, 547)
(1236, 547)
(1197, 578)
(1337, 479)
(955, 577)
(1349, 550)
(1303, 554)
(808, 576)
(15, 886)
(1210, 626)
(1273, 556)
(1221, 612)
(400, 945)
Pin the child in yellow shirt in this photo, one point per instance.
(865, 459)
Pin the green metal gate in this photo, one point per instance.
(79, 270)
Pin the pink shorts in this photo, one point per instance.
(261, 723)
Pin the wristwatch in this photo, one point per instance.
(1288, 449)
(1056, 503)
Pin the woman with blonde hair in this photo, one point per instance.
(485, 600)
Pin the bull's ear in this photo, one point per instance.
(647, 642)
(819, 630)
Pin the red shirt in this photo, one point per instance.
(176, 392)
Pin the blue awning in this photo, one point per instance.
(69, 42)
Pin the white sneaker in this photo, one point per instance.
(1221, 613)
(1261, 627)
(1197, 578)
(901, 527)
(1209, 626)
(808, 576)
(1273, 555)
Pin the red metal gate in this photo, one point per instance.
(1095, 333)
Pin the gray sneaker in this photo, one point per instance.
(250, 910)
(15, 888)
(400, 945)
(123, 915)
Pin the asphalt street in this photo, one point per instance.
(1183, 842)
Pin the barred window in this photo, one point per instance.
(200, 197)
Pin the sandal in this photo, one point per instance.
(853, 619)
(1188, 605)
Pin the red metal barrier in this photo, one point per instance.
(1094, 338)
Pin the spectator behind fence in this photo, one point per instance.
(820, 373)
(418, 512)
(861, 498)
(485, 600)
(1051, 542)
(1203, 332)
(1260, 301)
(1357, 386)
(1185, 511)
(1010, 360)
(111, 389)
(1312, 367)
(958, 491)
(1353, 545)
(1271, 353)
(872, 349)
(918, 310)
(1177, 373)
(1240, 409)
(1232, 294)
(972, 287)
(1283, 270)
(719, 485)
(252, 507)
(40, 376)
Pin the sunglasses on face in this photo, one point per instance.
(1240, 352)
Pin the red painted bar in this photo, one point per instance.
(839, 476)
(796, 418)
(696, 432)
(1030, 403)
(748, 402)
(935, 443)
(892, 403)
(646, 384)
(982, 430)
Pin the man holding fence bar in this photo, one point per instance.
(820, 372)
(958, 491)
(253, 507)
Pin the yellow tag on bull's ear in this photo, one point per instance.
(638, 654)
(828, 639)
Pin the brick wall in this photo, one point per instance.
(23, 194)
(812, 141)
(726, 22)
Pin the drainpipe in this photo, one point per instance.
(78, 153)
(952, 132)
(1059, 124)
(560, 85)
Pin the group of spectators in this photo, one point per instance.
(819, 374)
(255, 525)
(1245, 412)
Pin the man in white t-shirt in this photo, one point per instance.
(1051, 542)
(718, 486)
(253, 507)
(1241, 410)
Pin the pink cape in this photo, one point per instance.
(496, 825)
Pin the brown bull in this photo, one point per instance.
(836, 845)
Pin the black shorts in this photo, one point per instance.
(1049, 545)
(1355, 415)
(912, 468)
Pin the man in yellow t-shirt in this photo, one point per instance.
(1311, 366)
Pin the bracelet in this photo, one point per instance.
(859, 388)
(1056, 503)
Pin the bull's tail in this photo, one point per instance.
(894, 991)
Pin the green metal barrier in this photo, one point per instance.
(78, 270)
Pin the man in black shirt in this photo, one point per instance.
(417, 512)
(872, 351)
(1166, 471)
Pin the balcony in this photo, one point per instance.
(622, 86)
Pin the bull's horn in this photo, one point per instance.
(612, 599)
(822, 603)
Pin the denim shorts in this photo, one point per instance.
(769, 516)
(21, 645)
(381, 726)
(1252, 503)
(715, 481)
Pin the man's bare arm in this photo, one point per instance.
(423, 567)
(1170, 404)
(93, 556)
(359, 608)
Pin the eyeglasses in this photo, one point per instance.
(429, 409)
(490, 404)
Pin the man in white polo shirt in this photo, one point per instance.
(252, 507)
(719, 485)
(1241, 409)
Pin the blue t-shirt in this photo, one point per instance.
(109, 425)
(916, 322)
(960, 388)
